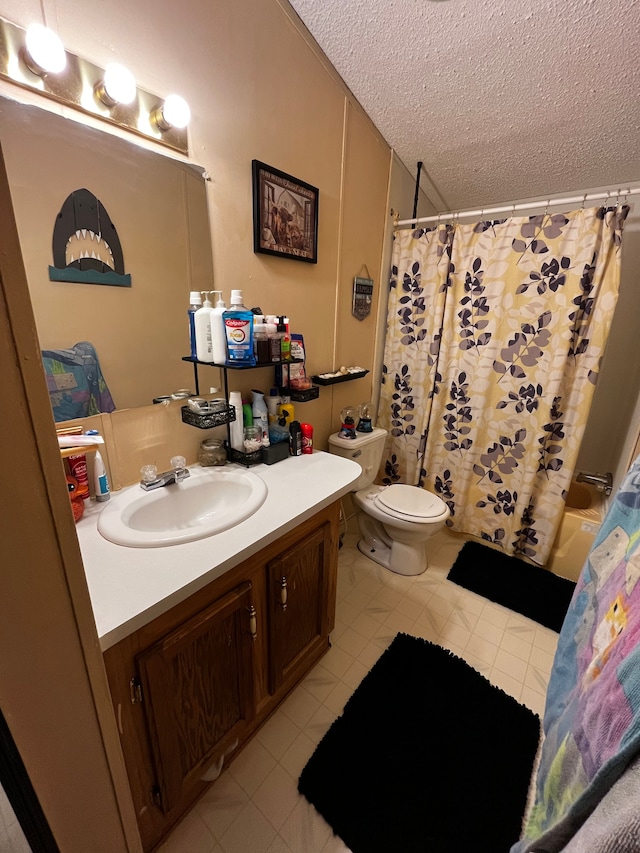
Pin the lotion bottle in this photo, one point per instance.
(100, 482)
(202, 320)
(218, 339)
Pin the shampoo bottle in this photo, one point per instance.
(195, 302)
(238, 327)
(100, 482)
(202, 320)
(218, 339)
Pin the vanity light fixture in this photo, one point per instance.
(43, 51)
(117, 86)
(35, 59)
(173, 112)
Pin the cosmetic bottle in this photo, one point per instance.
(195, 302)
(235, 401)
(285, 339)
(295, 439)
(274, 338)
(261, 416)
(261, 341)
(285, 410)
(100, 482)
(238, 327)
(202, 320)
(218, 338)
(307, 438)
(78, 468)
(273, 401)
(247, 413)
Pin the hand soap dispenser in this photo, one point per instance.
(218, 338)
(202, 321)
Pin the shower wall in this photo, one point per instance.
(613, 425)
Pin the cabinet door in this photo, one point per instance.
(197, 685)
(298, 604)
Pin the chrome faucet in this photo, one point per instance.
(602, 482)
(150, 479)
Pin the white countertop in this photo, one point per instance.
(131, 586)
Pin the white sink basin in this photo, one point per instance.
(209, 501)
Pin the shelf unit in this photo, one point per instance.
(247, 459)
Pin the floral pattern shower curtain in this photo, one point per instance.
(494, 340)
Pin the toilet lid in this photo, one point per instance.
(410, 501)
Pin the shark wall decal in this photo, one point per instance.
(86, 247)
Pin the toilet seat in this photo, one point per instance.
(410, 503)
(410, 506)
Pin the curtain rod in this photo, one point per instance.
(511, 208)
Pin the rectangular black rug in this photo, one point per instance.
(534, 592)
(427, 757)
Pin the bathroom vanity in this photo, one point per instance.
(203, 640)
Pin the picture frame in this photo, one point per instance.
(285, 215)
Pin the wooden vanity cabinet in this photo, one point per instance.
(191, 687)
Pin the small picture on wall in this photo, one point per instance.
(285, 215)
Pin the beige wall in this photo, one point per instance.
(258, 88)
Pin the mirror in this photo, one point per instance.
(158, 206)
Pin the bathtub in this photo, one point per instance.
(581, 520)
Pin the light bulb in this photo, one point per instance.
(44, 51)
(176, 112)
(118, 85)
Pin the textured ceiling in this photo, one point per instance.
(500, 99)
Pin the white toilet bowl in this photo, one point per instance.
(395, 521)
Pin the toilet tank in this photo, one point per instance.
(366, 449)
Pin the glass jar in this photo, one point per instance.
(212, 452)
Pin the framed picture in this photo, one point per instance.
(285, 215)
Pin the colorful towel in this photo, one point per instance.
(76, 385)
(591, 722)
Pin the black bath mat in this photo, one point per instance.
(536, 593)
(427, 756)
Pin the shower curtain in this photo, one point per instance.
(494, 339)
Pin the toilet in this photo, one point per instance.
(395, 521)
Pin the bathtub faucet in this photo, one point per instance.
(602, 482)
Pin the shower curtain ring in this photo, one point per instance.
(546, 210)
(584, 198)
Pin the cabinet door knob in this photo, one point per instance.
(253, 622)
(284, 594)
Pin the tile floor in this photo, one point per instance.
(254, 807)
(12, 838)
